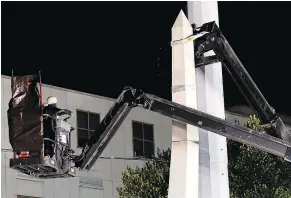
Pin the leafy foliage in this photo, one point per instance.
(149, 181)
(252, 173)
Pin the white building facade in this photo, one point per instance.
(140, 135)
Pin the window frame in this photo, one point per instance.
(143, 139)
(88, 129)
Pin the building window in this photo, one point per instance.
(87, 123)
(143, 139)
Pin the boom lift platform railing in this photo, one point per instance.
(60, 165)
(276, 141)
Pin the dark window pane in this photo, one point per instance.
(92, 133)
(148, 149)
(82, 142)
(83, 133)
(137, 130)
(137, 148)
(83, 137)
(82, 118)
(148, 132)
(94, 120)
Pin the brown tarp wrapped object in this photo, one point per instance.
(24, 115)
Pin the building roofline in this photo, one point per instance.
(231, 110)
(69, 90)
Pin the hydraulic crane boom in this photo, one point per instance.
(130, 98)
(214, 40)
(211, 40)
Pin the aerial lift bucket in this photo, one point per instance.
(26, 132)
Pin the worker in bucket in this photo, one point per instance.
(49, 111)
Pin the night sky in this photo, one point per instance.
(100, 47)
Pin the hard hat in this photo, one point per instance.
(52, 100)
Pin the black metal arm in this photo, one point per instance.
(130, 98)
(107, 128)
(214, 40)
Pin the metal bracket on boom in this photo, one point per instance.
(202, 61)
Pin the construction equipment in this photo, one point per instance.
(276, 141)
(25, 121)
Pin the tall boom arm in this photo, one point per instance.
(214, 40)
(130, 98)
(211, 40)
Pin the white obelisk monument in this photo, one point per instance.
(184, 170)
(199, 158)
